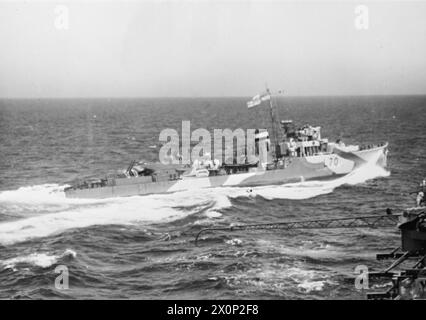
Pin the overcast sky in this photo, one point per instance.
(121, 49)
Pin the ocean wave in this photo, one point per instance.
(42, 260)
(314, 251)
(234, 242)
(280, 279)
(120, 211)
(309, 280)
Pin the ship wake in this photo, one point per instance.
(43, 210)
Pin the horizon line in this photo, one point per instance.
(212, 97)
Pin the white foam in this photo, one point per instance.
(234, 242)
(213, 214)
(43, 260)
(309, 280)
(122, 211)
(42, 194)
(276, 278)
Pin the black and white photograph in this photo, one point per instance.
(218, 152)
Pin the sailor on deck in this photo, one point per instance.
(420, 200)
(292, 147)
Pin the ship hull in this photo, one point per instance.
(325, 166)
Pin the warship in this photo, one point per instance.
(295, 154)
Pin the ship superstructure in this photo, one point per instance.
(294, 154)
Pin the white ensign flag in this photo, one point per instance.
(257, 100)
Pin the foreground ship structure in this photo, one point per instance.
(406, 283)
(296, 154)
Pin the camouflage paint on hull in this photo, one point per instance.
(297, 169)
(376, 155)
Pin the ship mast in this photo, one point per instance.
(275, 142)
